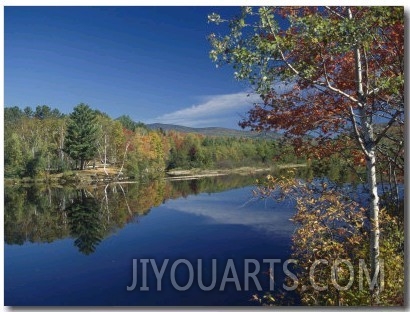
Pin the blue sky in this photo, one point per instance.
(150, 63)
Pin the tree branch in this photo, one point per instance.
(388, 126)
(356, 131)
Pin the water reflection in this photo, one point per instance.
(41, 213)
(35, 214)
(86, 224)
(240, 210)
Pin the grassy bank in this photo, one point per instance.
(197, 173)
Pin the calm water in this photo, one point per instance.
(76, 247)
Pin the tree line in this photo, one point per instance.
(44, 141)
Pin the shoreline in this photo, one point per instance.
(190, 174)
(96, 176)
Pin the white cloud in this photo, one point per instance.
(224, 110)
(218, 110)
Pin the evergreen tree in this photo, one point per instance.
(81, 136)
(44, 111)
(12, 114)
(130, 124)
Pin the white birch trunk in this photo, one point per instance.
(123, 160)
(375, 229)
(367, 136)
(105, 154)
(371, 182)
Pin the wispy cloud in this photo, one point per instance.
(224, 110)
(218, 110)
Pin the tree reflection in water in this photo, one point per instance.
(42, 213)
(85, 222)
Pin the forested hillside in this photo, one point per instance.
(216, 131)
(44, 141)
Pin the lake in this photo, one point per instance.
(81, 246)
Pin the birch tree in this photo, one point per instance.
(323, 71)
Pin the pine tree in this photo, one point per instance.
(81, 136)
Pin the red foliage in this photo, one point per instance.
(320, 104)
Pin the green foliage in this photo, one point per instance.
(81, 137)
(33, 139)
(12, 114)
(36, 166)
(54, 143)
(13, 156)
(130, 124)
(336, 169)
(110, 140)
(44, 111)
(133, 166)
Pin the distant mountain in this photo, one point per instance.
(214, 131)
